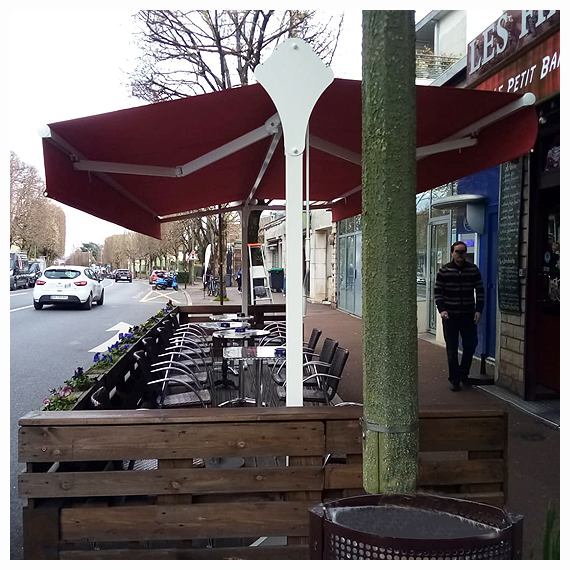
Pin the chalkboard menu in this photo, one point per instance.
(509, 236)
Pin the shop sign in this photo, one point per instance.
(513, 33)
(537, 71)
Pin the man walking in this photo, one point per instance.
(460, 310)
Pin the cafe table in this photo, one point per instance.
(258, 354)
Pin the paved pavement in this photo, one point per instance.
(534, 447)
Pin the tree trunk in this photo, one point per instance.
(389, 252)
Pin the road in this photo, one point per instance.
(47, 346)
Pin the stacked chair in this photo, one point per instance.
(177, 367)
(313, 361)
(321, 371)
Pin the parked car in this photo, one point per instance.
(155, 275)
(34, 271)
(18, 270)
(123, 275)
(68, 284)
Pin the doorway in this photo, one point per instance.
(439, 244)
(350, 273)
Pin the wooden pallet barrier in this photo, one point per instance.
(83, 504)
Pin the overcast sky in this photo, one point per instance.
(70, 63)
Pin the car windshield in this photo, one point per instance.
(62, 273)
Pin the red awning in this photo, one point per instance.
(135, 166)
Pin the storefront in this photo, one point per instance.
(349, 258)
(465, 210)
(520, 52)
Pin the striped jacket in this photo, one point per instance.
(454, 287)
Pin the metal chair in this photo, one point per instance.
(184, 390)
(326, 382)
(310, 346)
(318, 363)
(100, 399)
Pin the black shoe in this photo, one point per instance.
(455, 387)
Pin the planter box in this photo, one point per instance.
(115, 374)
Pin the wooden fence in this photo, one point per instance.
(262, 314)
(82, 503)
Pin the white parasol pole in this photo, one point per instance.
(295, 78)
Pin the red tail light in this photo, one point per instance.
(80, 283)
(39, 282)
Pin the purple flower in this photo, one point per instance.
(96, 357)
(47, 401)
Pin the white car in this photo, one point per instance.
(68, 284)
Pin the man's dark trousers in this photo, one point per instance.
(453, 327)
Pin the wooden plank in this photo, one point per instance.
(41, 532)
(181, 481)
(187, 415)
(343, 476)
(343, 436)
(496, 499)
(214, 415)
(170, 482)
(450, 434)
(179, 522)
(175, 465)
(297, 552)
(170, 441)
(461, 472)
(313, 497)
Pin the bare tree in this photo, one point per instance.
(37, 225)
(198, 51)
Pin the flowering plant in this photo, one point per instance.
(63, 398)
(80, 381)
(114, 352)
(60, 399)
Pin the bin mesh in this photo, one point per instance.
(342, 548)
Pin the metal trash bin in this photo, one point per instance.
(412, 527)
(276, 279)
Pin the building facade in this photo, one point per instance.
(520, 52)
(509, 215)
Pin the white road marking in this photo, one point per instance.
(120, 328)
(20, 308)
(157, 294)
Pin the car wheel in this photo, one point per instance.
(102, 298)
(89, 303)
(38, 306)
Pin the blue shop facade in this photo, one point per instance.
(465, 210)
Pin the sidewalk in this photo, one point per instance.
(534, 447)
